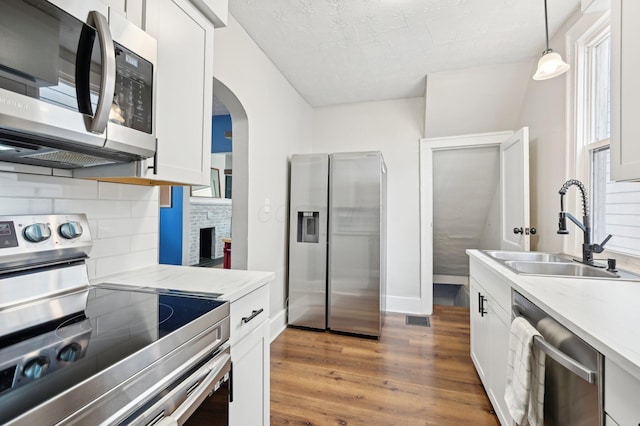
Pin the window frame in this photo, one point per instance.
(583, 148)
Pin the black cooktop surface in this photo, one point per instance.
(41, 362)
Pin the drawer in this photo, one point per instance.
(621, 391)
(495, 284)
(247, 307)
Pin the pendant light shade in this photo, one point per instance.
(550, 64)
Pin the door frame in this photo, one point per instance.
(427, 148)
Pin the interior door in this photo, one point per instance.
(514, 181)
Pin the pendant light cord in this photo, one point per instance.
(546, 26)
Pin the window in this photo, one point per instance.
(615, 206)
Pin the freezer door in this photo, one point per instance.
(355, 218)
(308, 240)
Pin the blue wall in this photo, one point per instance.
(171, 229)
(219, 125)
(171, 217)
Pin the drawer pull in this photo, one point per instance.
(252, 316)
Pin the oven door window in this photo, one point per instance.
(40, 47)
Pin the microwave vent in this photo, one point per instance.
(70, 158)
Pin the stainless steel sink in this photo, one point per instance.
(528, 256)
(552, 264)
(561, 269)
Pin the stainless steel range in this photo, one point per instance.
(71, 353)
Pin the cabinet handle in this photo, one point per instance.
(483, 311)
(254, 314)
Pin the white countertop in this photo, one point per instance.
(230, 283)
(605, 313)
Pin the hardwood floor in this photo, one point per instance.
(414, 375)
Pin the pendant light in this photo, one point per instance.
(550, 64)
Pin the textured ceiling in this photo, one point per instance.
(342, 51)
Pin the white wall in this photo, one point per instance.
(123, 219)
(476, 100)
(393, 127)
(279, 124)
(545, 111)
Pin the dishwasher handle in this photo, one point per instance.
(576, 367)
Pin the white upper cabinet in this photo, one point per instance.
(130, 9)
(216, 10)
(184, 92)
(625, 90)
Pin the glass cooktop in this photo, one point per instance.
(41, 362)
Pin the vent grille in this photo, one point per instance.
(418, 320)
(70, 158)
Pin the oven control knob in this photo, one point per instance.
(36, 368)
(37, 232)
(70, 353)
(70, 230)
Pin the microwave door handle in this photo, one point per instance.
(108, 81)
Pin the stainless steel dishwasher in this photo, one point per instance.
(573, 393)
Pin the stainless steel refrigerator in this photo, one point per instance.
(337, 242)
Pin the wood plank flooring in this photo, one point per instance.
(413, 375)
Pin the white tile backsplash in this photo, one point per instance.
(96, 209)
(123, 219)
(125, 262)
(9, 206)
(104, 247)
(108, 228)
(116, 191)
(144, 242)
(24, 185)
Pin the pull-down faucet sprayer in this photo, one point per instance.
(587, 247)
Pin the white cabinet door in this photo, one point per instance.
(625, 90)
(514, 182)
(621, 391)
(479, 330)
(184, 91)
(490, 327)
(250, 359)
(499, 324)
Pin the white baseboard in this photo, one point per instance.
(278, 323)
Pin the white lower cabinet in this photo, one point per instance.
(479, 330)
(621, 391)
(490, 324)
(250, 358)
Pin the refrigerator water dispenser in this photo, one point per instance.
(308, 227)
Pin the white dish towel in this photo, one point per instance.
(524, 394)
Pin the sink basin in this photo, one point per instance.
(528, 256)
(551, 264)
(561, 269)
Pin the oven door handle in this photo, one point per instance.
(576, 367)
(218, 368)
(206, 378)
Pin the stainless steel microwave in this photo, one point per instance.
(76, 85)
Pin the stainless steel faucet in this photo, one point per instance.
(588, 248)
